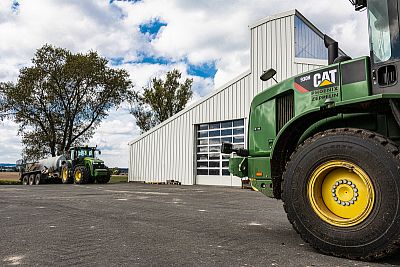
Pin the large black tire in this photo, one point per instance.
(81, 175)
(38, 178)
(373, 161)
(31, 179)
(65, 176)
(25, 180)
(103, 179)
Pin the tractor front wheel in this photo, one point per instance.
(81, 175)
(341, 192)
(103, 179)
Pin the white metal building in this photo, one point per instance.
(186, 147)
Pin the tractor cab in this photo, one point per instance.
(383, 20)
(77, 153)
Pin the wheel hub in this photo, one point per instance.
(341, 193)
(344, 192)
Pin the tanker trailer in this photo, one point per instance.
(42, 171)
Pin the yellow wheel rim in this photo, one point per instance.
(65, 174)
(78, 175)
(341, 193)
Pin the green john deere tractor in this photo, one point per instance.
(83, 167)
(326, 142)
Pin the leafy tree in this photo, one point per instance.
(61, 99)
(161, 100)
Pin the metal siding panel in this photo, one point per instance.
(279, 51)
(254, 63)
(211, 108)
(291, 45)
(224, 104)
(260, 48)
(190, 152)
(264, 49)
(218, 106)
(230, 99)
(235, 102)
(273, 46)
(284, 56)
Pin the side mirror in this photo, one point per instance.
(99, 152)
(269, 74)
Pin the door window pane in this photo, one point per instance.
(226, 132)
(201, 164)
(215, 133)
(202, 134)
(202, 171)
(238, 131)
(215, 125)
(213, 172)
(227, 124)
(215, 148)
(238, 139)
(202, 149)
(225, 172)
(202, 142)
(214, 164)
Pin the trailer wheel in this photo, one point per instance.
(31, 179)
(37, 179)
(341, 192)
(25, 180)
(65, 178)
(81, 175)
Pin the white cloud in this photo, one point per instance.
(197, 32)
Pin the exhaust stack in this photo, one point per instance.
(333, 49)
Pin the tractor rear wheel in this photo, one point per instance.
(81, 175)
(31, 180)
(341, 192)
(25, 180)
(65, 178)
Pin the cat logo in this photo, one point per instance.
(325, 78)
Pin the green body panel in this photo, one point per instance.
(262, 137)
(238, 166)
(260, 166)
(91, 163)
(330, 102)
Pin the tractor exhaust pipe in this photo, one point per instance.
(333, 49)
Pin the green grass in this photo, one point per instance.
(9, 182)
(118, 179)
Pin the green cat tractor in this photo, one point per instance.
(82, 167)
(326, 142)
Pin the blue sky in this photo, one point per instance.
(206, 40)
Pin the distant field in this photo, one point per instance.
(9, 176)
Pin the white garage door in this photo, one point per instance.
(212, 166)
